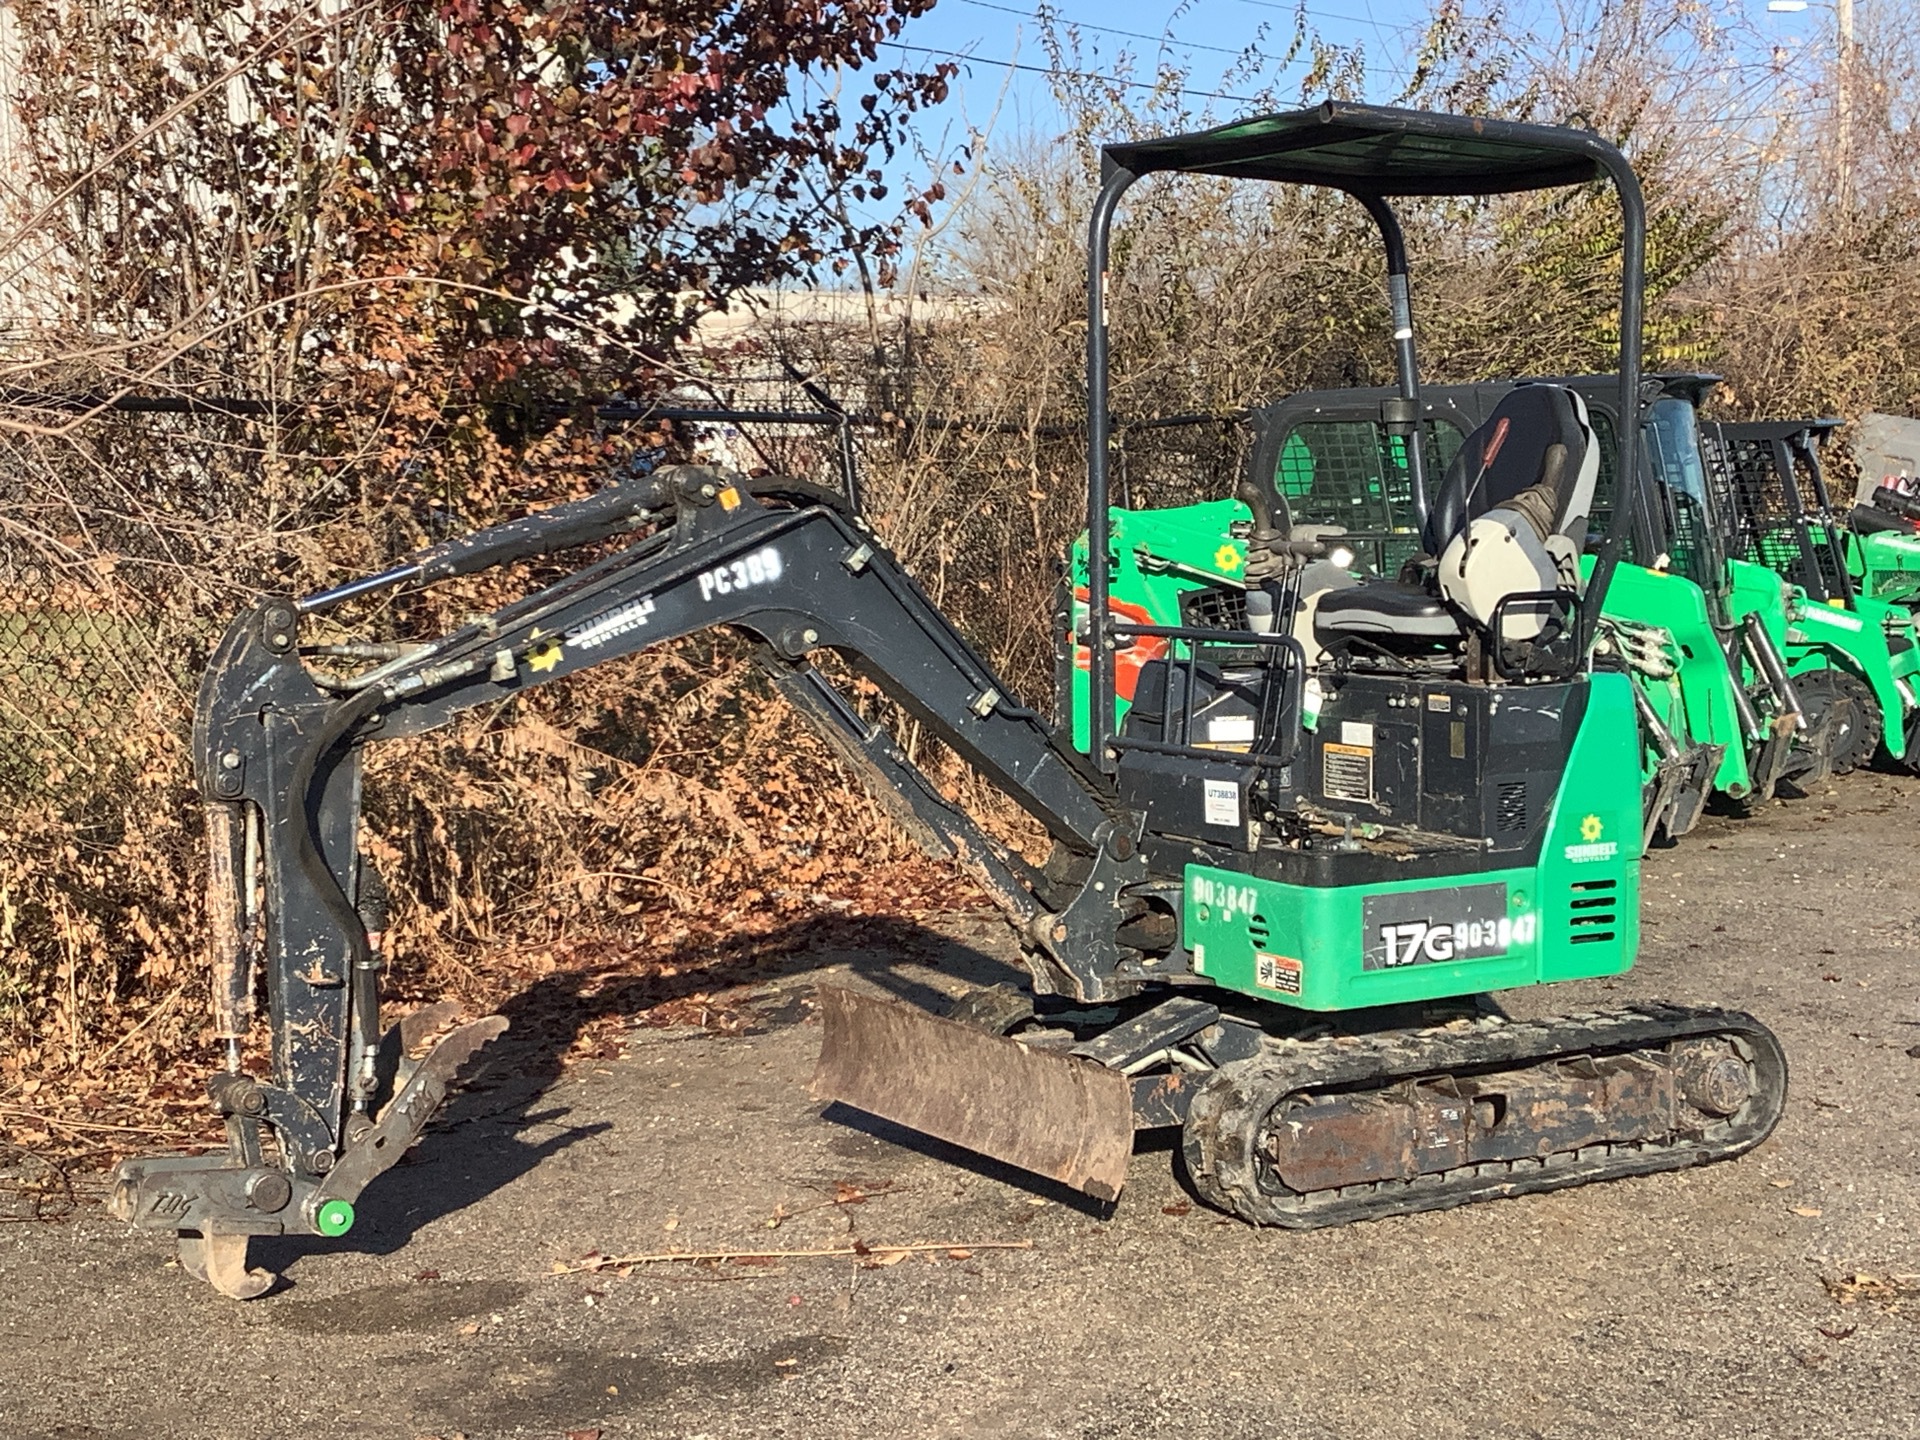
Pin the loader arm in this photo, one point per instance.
(277, 747)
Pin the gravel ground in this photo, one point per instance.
(1695, 1304)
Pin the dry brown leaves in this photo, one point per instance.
(1885, 1292)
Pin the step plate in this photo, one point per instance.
(1054, 1115)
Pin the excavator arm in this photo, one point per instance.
(278, 744)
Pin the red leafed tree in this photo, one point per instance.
(373, 213)
(430, 197)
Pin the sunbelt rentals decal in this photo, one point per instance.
(1593, 844)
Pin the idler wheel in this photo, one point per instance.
(1712, 1079)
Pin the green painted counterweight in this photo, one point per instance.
(1571, 915)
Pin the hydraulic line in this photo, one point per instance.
(1663, 740)
(1750, 723)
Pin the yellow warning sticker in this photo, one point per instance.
(730, 499)
(1276, 972)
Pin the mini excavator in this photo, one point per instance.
(1275, 901)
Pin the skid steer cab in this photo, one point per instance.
(1277, 894)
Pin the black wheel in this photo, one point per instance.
(1869, 724)
(1837, 696)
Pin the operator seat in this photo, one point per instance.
(1509, 518)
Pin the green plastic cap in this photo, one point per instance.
(333, 1218)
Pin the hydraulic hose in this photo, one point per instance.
(559, 527)
(1750, 725)
(1663, 740)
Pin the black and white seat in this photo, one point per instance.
(1509, 518)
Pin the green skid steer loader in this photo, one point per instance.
(1873, 549)
(1856, 583)
(1845, 663)
(1880, 544)
(1273, 934)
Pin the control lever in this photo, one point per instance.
(1268, 560)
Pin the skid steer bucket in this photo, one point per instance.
(1055, 1115)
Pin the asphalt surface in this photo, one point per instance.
(1719, 1303)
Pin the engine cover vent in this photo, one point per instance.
(1510, 807)
(1593, 908)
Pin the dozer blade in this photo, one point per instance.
(1054, 1115)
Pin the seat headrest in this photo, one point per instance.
(1537, 433)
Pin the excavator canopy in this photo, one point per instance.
(1377, 150)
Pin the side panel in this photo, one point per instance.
(1887, 566)
(1573, 916)
(1678, 606)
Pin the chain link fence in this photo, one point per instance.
(128, 543)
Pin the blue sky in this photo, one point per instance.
(990, 37)
(1204, 35)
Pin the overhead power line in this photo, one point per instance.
(1053, 71)
(1168, 40)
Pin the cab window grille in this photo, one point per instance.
(1607, 483)
(1765, 530)
(1353, 474)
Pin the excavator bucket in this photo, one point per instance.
(1054, 1115)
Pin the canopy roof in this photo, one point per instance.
(1375, 150)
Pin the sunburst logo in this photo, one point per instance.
(1226, 558)
(1591, 829)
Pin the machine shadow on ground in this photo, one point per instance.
(497, 1127)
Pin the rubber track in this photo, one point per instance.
(1228, 1118)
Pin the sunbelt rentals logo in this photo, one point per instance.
(1593, 843)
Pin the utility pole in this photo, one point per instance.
(1843, 104)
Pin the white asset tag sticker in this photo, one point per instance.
(1223, 802)
(1230, 730)
(1356, 732)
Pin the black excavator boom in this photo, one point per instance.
(278, 751)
